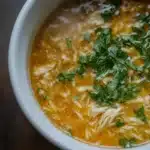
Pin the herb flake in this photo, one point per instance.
(127, 143)
(119, 123)
(140, 113)
(109, 9)
(69, 43)
(66, 76)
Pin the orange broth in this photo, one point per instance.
(68, 105)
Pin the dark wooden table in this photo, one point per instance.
(16, 133)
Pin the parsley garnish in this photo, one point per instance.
(83, 60)
(127, 143)
(140, 113)
(109, 9)
(140, 38)
(81, 69)
(106, 59)
(144, 18)
(38, 90)
(69, 43)
(119, 123)
(45, 97)
(107, 95)
(66, 76)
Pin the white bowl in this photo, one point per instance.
(30, 18)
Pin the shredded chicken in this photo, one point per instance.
(84, 88)
(108, 117)
(43, 69)
(133, 121)
(97, 110)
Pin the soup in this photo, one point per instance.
(90, 71)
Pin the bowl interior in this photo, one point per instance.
(29, 20)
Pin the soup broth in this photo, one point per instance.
(90, 71)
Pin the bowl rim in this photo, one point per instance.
(12, 48)
(12, 44)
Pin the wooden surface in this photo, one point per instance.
(16, 133)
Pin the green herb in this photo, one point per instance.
(69, 43)
(112, 61)
(131, 40)
(83, 60)
(81, 69)
(147, 74)
(108, 94)
(38, 90)
(113, 91)
(66, 76)
(103, 40)
(140, 38)
(87, 36)
(98, 31)
(141, 41)
(109, 59)
(140, 113)
(106, 59)
(128, 92)
(119, 123)
(127, 143)
(100, 56)
(109, 9)
(45, 97)
(144, 18)
(76, 98)
(138, 27)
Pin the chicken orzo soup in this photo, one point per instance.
(90, 71)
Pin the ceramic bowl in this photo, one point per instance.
(32, 15)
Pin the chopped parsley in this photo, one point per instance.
(83, 60)
(66, 76)
(38, 90)
(127, 143)
(144, 18)
(138, 27)
(108, 95)
(108, 59)
(120, 123)
(109, 9)
(45, 97)
(69, 43)
(140, 113)
(139, 38)
(81, 69)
